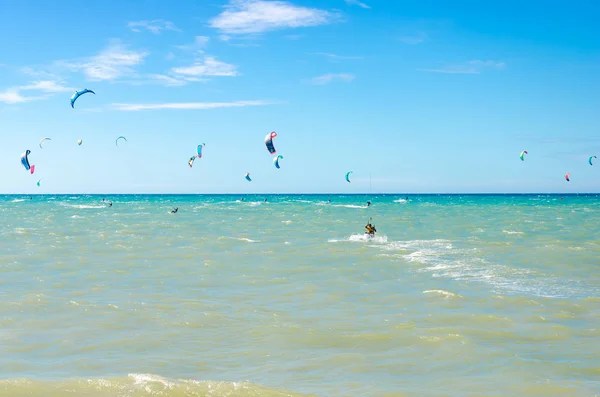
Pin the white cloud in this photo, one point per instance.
(189, 105)
(170, 81)
(357, 3)
(46, 86)
(13, 96)
(470, 67)
(256, 16)
(336, 57)
(491, 64)
(113, 62)
(209, 66)
(199, 43)
(154, 26)
(328, 78)
(415, 39)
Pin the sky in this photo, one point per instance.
(412, 96)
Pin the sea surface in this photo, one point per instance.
(457, 295)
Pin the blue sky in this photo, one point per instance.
(427, 96)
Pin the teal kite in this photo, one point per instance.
(348, 176)
(276, 161)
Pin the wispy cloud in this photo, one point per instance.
(189, 105)
(256, 16)
(209, 66)
(357, 3)
(336, 57)
(471, 67)
(155, 26)
(168, 81)
(46, 86)
(13, 95)
(413, 39)
(113, 62)
(328, 78)
(198, 45)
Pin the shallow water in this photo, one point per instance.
(456, 296)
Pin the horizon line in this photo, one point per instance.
(311, 194)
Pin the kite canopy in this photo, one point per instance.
(590, 159)
(191, 161)
(79, 142)
(276, 161)
(567, 176)
(522, 155)
(269, 142)
(248, 177)
(25, 162)
(44, 139)
(117, 140)
(77, 94)
(348, 176)
(200, 149)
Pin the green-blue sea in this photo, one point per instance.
(456, 295)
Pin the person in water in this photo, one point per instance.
(110, 204)
(175, 210)
(368, 203)
(370, 229)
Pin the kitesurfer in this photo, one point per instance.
(175, 210)
(368, 203)
(110, 204)
(370, 229)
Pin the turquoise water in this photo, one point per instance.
(456, 296)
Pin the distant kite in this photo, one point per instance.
(522, 155)
(590, 159)
(79, 142)
(567, 177)
(117, 140)
(248, 177)
(269, 142)
(44, 139)
(276, 161)
(77, 94)
(25, 162)
(348, 176)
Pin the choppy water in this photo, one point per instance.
(456, 296)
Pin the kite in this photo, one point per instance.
(77, 94)
(590, 159)
(522, 155)
(117, 140)
(276, 161)
(348, 176)
(269, 142)
(44, 139)
(25, 162)
(248, 177)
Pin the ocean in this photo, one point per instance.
(456, 295)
